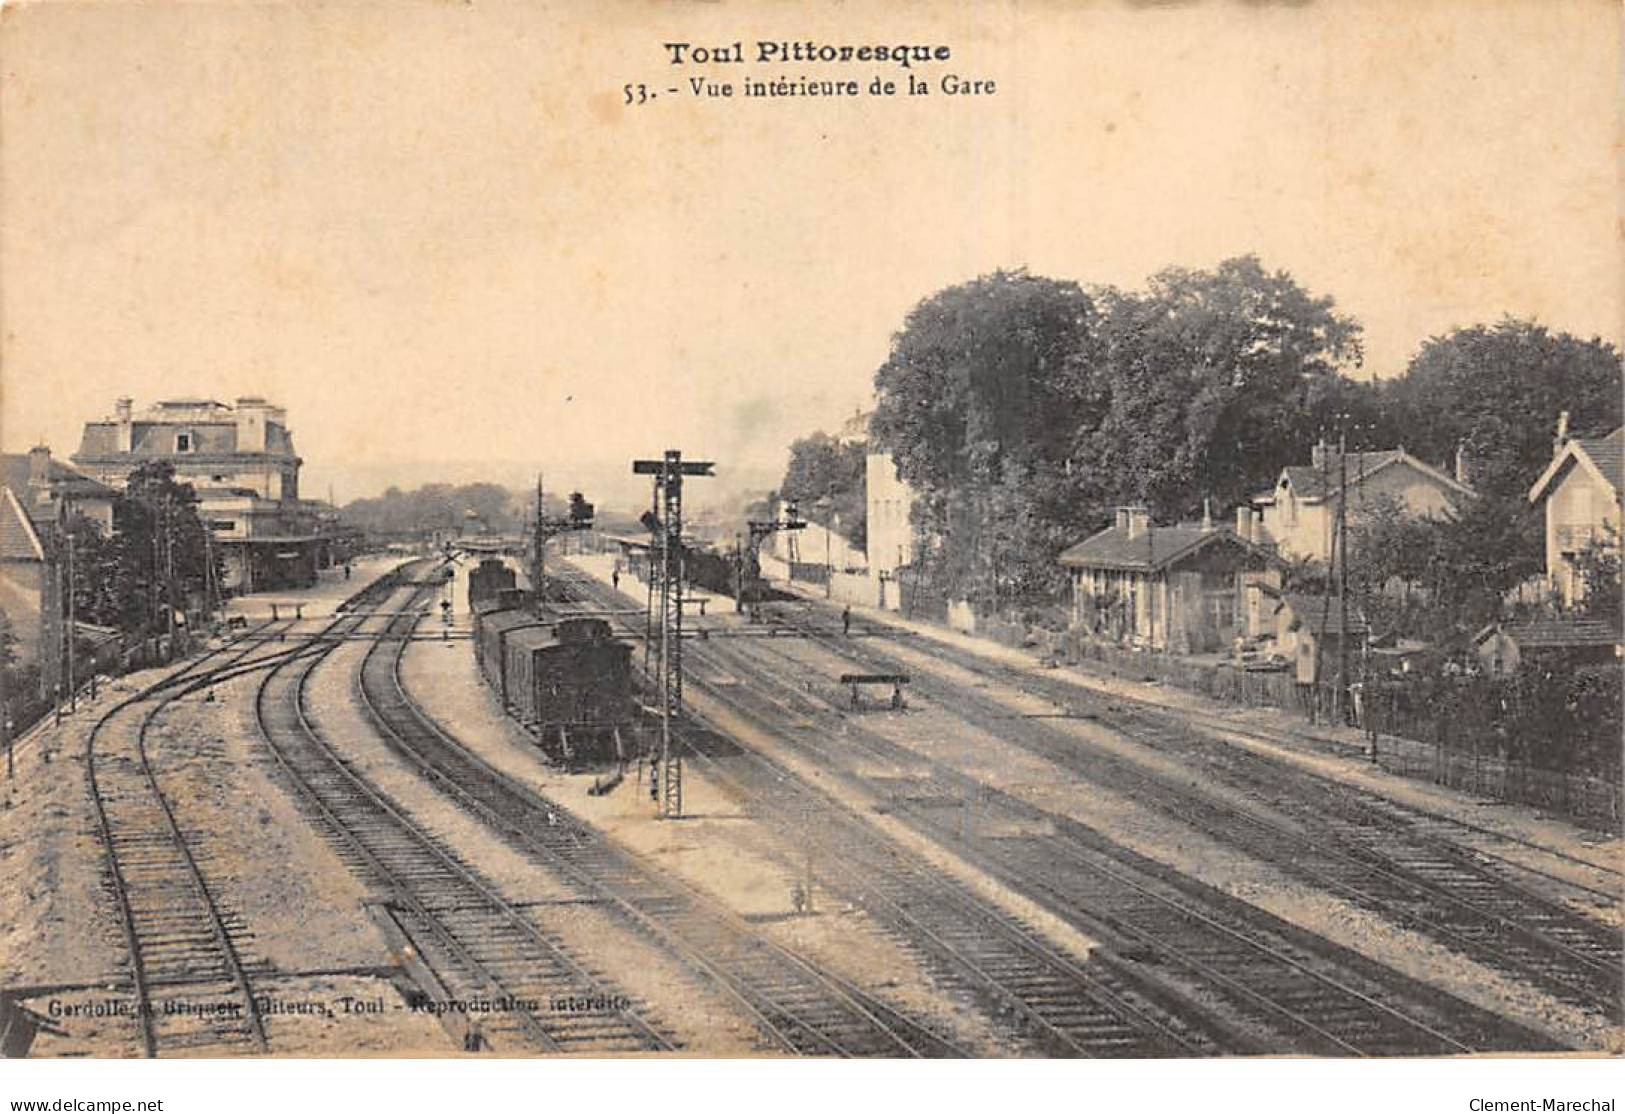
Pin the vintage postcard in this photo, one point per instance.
(910, 530)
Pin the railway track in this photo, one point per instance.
(798, 1007)
(1077, 699)
(495, 976)
(178, 939)
(1307, 994)
(1321, 832)
(1050, 1003)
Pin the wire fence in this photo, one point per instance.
(1545, 737)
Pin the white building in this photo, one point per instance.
(1297, 515)
(890, 534)
(1580, 490)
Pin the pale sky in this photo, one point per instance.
(437, 236)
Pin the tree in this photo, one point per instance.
(1210, 383)
(825, 478)
(95, 565)
(1498, 390)
(982, 393)
(8, 644)
(988, 369)
(161, 551)
(435, 506)
(1597, 566)
(1022, 408)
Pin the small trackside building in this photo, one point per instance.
(1312, 634)
(1178, 589)
(1562, 643)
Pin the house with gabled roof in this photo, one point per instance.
(35, 490)
(1580, 491)
(1171, 588)
(1296, 516)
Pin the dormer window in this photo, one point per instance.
(183, 442)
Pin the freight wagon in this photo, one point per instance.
(567, 681)
(489, 577)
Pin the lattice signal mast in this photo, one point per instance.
(667, 527)
(579, 518)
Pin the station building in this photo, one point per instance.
(241, 462)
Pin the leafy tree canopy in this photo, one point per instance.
(826, 480)
(438, 506)
(1023, 408)
(1210, 383)
(1498, 390)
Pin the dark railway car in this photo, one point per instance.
(708, 569)
(702, 568)
(489, 577)
(571, 684)
(568, 681)
(491, 647)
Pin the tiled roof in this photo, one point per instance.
(1608, 454)
(14, 473)
(1311, 482)
(1307, 481)
(18, 540)
(1156, 548)
(1312, 611)
(1559, 633)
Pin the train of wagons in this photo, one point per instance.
(566, 679)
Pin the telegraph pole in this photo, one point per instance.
(667, 524)
(538, 572)
(169, 573)
(1341, 696)
(1326, 588)
(73, 690)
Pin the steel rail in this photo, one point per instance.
(747, 995)
(1025, 881)
(170, 688)
(405, 889)
(1300, 855)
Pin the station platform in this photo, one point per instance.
(321, 600)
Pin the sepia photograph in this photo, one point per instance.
(736, 530)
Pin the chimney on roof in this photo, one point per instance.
(252, 414)
(1244, 523)
(1121, 521)
(1562, 437)
(39, 466)
(1464, 470)
(1207, 514)
(121, 411)
(1137, 520)
(1317, 455)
